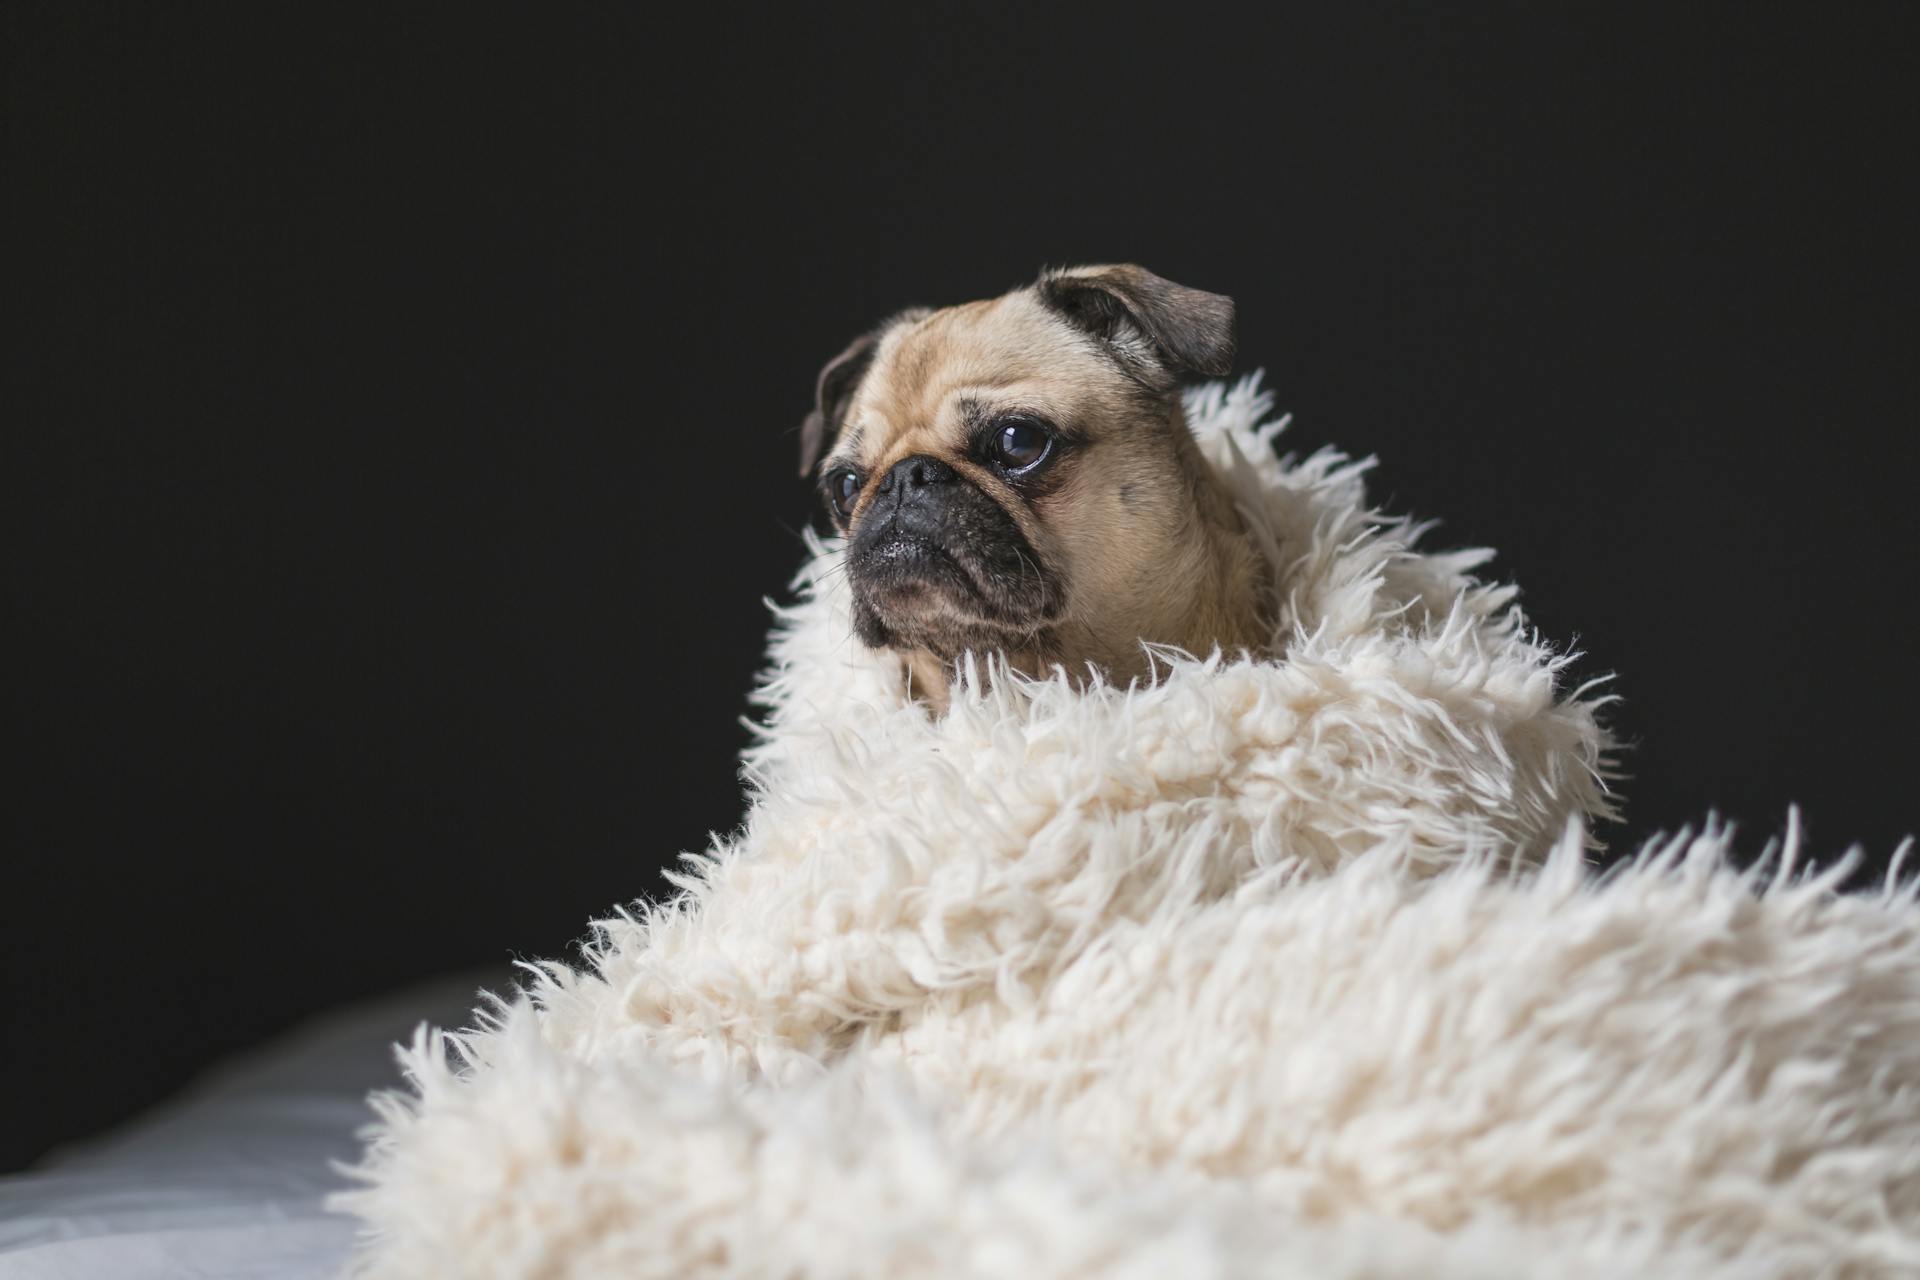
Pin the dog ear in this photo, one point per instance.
(834, 388)
(1129, 307)
(831, 391)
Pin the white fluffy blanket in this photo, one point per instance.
(1281, 968)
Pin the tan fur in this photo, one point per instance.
(1149, 545)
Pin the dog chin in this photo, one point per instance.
(911, 594)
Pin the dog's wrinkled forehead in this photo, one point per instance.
(933, 376)
(1077, 344)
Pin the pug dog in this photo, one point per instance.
(1016, 477)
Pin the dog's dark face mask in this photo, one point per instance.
(938, 565)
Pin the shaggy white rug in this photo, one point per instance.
(1279, 968)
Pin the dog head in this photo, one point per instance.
(1016, 475)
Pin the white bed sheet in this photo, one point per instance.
(230, 1179)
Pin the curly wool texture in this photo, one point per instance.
(1278, 966)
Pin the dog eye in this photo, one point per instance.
(843, 486)
(1019, 444)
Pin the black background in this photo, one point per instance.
(400, 411)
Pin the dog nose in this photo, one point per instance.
(917, 472)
